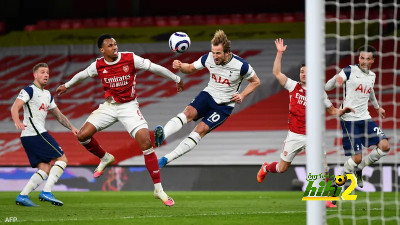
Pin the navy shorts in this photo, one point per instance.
(41, 148)
(357, 134)
(213, 114)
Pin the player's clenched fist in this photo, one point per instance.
(177, 64)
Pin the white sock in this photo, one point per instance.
(185, 146)
(374, 156)
(55, 173)
(158, 187)
(175, 124)
(349, 166)
(36, 180)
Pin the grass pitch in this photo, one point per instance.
(194, 207)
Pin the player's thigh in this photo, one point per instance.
(376, 136)
(104, 116)
(131, 117)
(293, 144)
(352, 137)
(201, 104)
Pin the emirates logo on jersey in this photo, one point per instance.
(125, 68)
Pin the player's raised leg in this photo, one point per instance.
(184, 147)
(85, 137)
(142, 136)
(172, 126)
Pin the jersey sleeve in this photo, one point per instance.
(141, 63)
(327, 102)
(247, 71)
(290, 85)
(52, 102)
(91, 70)
(345, 73)
(201, 62)
(24, 94)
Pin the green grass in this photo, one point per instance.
(193, 207)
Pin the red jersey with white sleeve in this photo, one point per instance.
(118, 77)
(297, 106)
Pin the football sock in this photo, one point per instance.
(185, 146)
(349, 166)
(55, 173)
(175, 124)
(374, 156)
(93, 146)
(272, 167)
(157, 186)
(151, 162)
(36, 180)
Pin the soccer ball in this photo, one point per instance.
(179, 42)
(340, 180)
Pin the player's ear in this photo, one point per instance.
(102, 50)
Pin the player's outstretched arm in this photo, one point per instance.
(76, 79)
(164, 72)
(254, 82)
(183, 67)
(15, 114)
(63, 120)
(282, 78)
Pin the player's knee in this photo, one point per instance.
(145, 144)
(82, 137)
(384, 145)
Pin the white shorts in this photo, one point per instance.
(127, 113)
(294, 143)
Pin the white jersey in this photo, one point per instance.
(37, 102)
(225, 79)
(356, 92)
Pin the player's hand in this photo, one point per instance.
(61, 89)
(19, 125)
(237, 98)
(381, 112)
(279, 45)
(346, 110)
(74, 131)
(339, 81)
(176, 64)
(179, 86)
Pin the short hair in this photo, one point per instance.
(367, 48)
(221, 38)
(101, 39)
(37, 66)
(302, 65)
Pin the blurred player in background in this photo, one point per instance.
(215, 103)
(117, 73)
(40, 146)
(295, 141)
(359, 130)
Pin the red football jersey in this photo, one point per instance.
(118, 77)
(297, 110)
